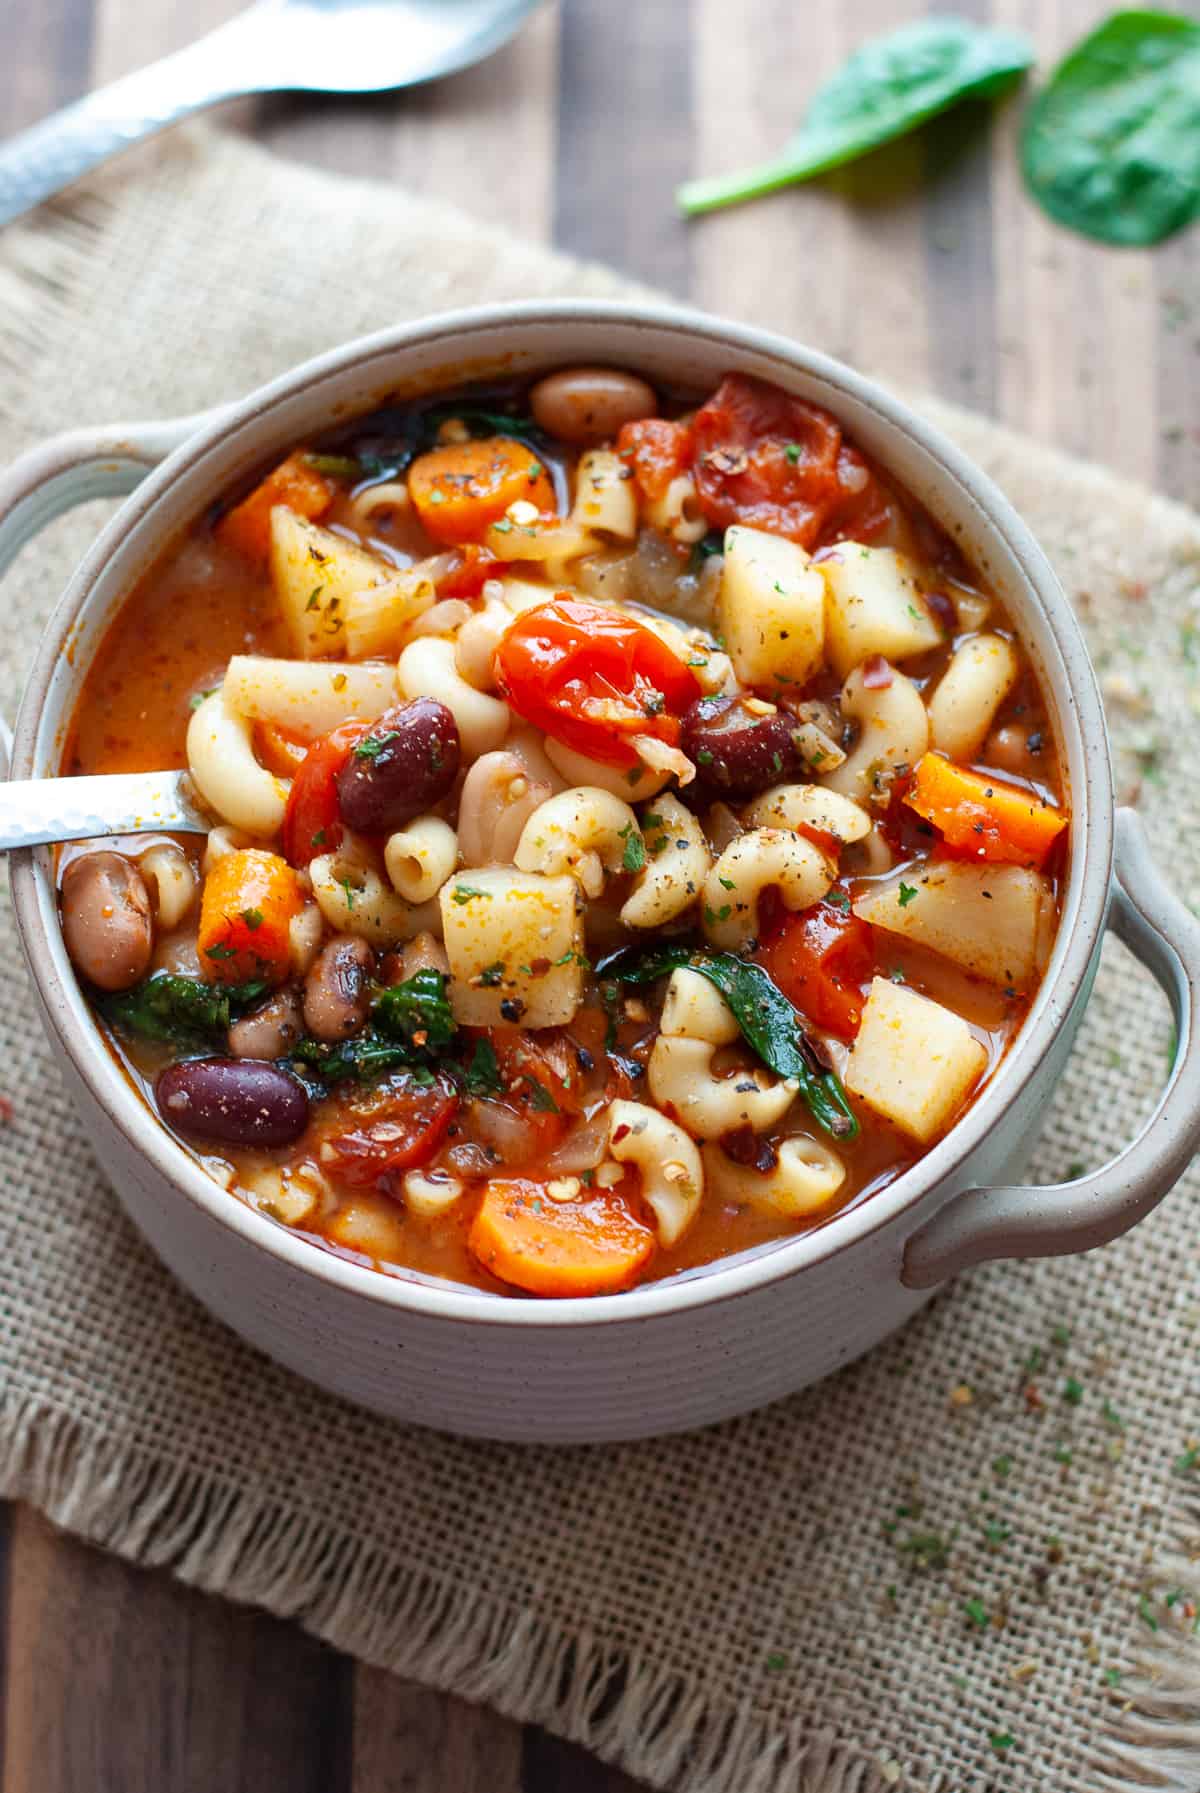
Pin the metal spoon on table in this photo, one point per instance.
(317, 46)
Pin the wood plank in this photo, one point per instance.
(482, 139)
(624, 136)
(408, 1739)
(124, 1681)
(45, 51)
(552, 1765)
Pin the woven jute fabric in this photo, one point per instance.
(964, 1562)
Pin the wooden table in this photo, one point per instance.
(928, 265)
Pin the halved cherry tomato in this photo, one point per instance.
(474, 568)
(311, 823)
(774, 462)
(819, 958)
(400, 1125)
(657, 450)
(591, 677)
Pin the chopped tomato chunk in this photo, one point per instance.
(398, 1126)
(820, 958)
(591, 678)
(657, 450)
(466, 580)
(311, 822)
(777, 463)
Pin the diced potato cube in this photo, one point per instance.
(771, 609)
(336, 597)
(994, 920)
(914, 1062)
(305, 697)
(515, 944)
(874, 606)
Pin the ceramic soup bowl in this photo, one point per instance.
(746, 1330)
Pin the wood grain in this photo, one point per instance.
(927, 264)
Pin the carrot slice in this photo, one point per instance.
(247, 527)
(458, 490)
(246, 909)
(982, 817)
(591, 1246)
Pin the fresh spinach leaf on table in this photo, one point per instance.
(885, 89)
(1111, 145)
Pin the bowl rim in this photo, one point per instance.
(1084, 907)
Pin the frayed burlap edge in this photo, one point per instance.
(369, 1604)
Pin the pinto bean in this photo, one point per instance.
(270, 1030)
(234, 1101)
(401, 769)
(738, 752)
(107, 920)
(589, 404)
(337, 996)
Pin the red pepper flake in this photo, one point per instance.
(6, 1111)
(877, 674)
(1033, 1397)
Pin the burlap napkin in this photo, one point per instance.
(962, 1563)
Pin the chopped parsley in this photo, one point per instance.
(977, 1612)
(906, 893)
(634, 856)
(371, 746)
(793, 452)
(540, 1099)
(253, 919)
(482, 1075)
(462, 893)
(313, 597)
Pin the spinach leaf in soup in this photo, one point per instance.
(1111, 145)
(180, 1011)
(416, 1012)
(771, 1025)
(885, 89)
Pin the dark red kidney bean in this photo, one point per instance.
(736, 753)
(232, 1101)
(407, 762)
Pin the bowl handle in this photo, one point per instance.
(101, 462)
(1020, 1222)
(71, 469)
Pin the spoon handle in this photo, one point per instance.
(36, 811)
(38, 162)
